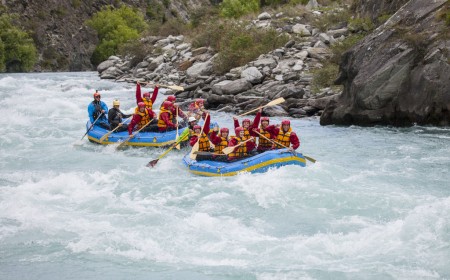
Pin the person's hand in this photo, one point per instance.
(131, 136)
(120, 124)
(254, 129)
(103, 111)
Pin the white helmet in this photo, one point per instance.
(191, 119)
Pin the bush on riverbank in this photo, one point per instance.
(115, 27)
(17, 50)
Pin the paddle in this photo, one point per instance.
(177, 88)
(131, 136)
(183, 137)
(177, 146)
(197, 144)
(92, 125)
(276, 143)
(228, 150)
(271, 103)
(109, 133)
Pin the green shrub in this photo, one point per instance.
(18, 52)
(361, 24)
(115, 27)
(2, 56)
(325, 76)
(238, 8)
(332, 18)
(171, 27)
(238, 46)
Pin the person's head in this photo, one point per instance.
(285, 124)
(116, 103)
(246, 123)
(197, 129)
(192, 121)
(264, 122)
(97, 96)
(224, 132)
(200, 102)
(171, 98)
(167, 104)
(141, 106)
(146, 95)
(239, 131)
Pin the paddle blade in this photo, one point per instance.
(177, 88)
(104, 137)
(193, 156)
(178, 147)
(275, 102)
(152, 163)
(228, 150)
(310, 159)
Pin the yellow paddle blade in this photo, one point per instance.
(177, 88)
(228, 150)
(271, 103)
(192, 155)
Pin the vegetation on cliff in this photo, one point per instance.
(17, 50)
(115, 27)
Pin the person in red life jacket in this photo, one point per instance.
(146, 96)
(197, 109)
(220, 142)
(166, 117)
(203, 140)
(242, 150)
(142, 115)
(286, 137)
(174, 108)
(115, 117)
(266, 130)
(248, 127)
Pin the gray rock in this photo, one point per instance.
(105, 65)
(275, 111)
(231, 87)
(390, 80)
(265, 62)
(200, 69)
(252, 75)
(264, 16)
(301, 30)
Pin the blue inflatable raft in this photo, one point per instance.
(143, 139)
(255, 164)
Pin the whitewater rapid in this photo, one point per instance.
(375, 205)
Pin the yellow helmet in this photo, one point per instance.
(116, 102)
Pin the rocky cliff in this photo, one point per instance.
(63, 41)
(400, 74)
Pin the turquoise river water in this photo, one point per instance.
(375, 205)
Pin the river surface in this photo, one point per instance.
(375, 205)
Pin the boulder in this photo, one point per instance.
(231, 87)
(252, 75)
(390, 79)
(200, 69)
(105, 65)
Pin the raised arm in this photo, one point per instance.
(155, 94)
(138, 93)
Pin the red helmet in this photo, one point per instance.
(146, 95)
(246, 120)
(224, 129)
(288, 122)
(171, 98)
(167, 104)
(238, 130)
(96, 94)
(197, 127)
(265, 119)
(141, 105)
